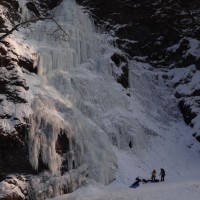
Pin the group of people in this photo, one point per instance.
(153, 178)
(162, 175)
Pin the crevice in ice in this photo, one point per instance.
(130, 144)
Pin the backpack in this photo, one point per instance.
(162, 171)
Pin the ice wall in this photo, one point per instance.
(68, 46)
(63, 64)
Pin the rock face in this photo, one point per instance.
(147, 28)
(163, 33)
(13, 147)
(17, 60)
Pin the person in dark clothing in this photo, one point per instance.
(153, 175)
(136, 183)
(162, 174)
(145, 181)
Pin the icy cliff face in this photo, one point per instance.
(162, 33)
(63, 66)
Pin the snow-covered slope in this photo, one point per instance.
(180, 189)
(168, 145)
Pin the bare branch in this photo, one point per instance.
(44, 15)
(22, 24)
(59, 26)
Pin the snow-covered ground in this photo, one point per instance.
(175, 151)
(183, 188)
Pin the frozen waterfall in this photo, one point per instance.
(76, 95)
(67, 95)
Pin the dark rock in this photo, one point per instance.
(2, 176)
(118, 59)
(198, 63)
(187, 113)
(21, 83)
(196, 93)
(121, 62)
(124, 78)
(178, 95)
(194, 134)
(2, 21)
(145, 32)
(131, 49)
(12, 13)
(31, 6)
(176, 57)
(4, 61)
(198, 138)
(187, 61)
(11, 4)
(152, 31)
(5, 116)
(5, 43)
(165, 76)
(27, 64)
(13, 196)
(49, 4)
(14, 154)
(3, 51)
(14, 97)
(3, 83)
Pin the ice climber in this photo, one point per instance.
(162, 174)
(153, 175)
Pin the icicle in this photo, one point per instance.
(43, 134)
(78, 45)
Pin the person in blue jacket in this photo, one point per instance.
(136, 183)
